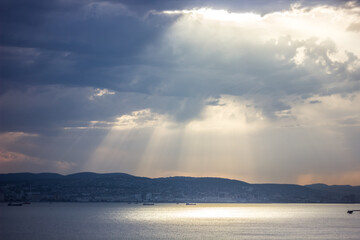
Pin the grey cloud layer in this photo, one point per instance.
(117, 45)
(64, 42)
(71, 46)
(66, 65)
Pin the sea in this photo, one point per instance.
(87, 221)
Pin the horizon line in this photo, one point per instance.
(316, 183)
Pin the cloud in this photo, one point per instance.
(12, 161)
(15, 154)
(70, 43)
(355, 27)
(208, 52)
(243, 90)
(101, 92)
(314, 101)
(15, 157)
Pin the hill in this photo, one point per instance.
(121, 187)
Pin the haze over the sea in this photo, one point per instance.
(260, 91)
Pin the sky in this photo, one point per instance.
(259, 91)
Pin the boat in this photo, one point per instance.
(148, 203)
(190, 203)
(351, 211)
(11, 204)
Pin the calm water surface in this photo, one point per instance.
(44, 221)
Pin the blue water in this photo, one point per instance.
(86, 221)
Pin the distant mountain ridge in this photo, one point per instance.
(28, 176)
(90, 186)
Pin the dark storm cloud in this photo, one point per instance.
(87, 43)
(115, 45)
(69, 43)
(36, 109)
(33, 12)
(47, 110)
(51, 108)
(54, 48)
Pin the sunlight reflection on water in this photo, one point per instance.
(246, 212)
(178, 221)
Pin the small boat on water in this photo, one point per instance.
(351, 211)
(11, 204)
(148, 203)
(190, 203)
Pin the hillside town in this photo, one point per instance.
(91, 187)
